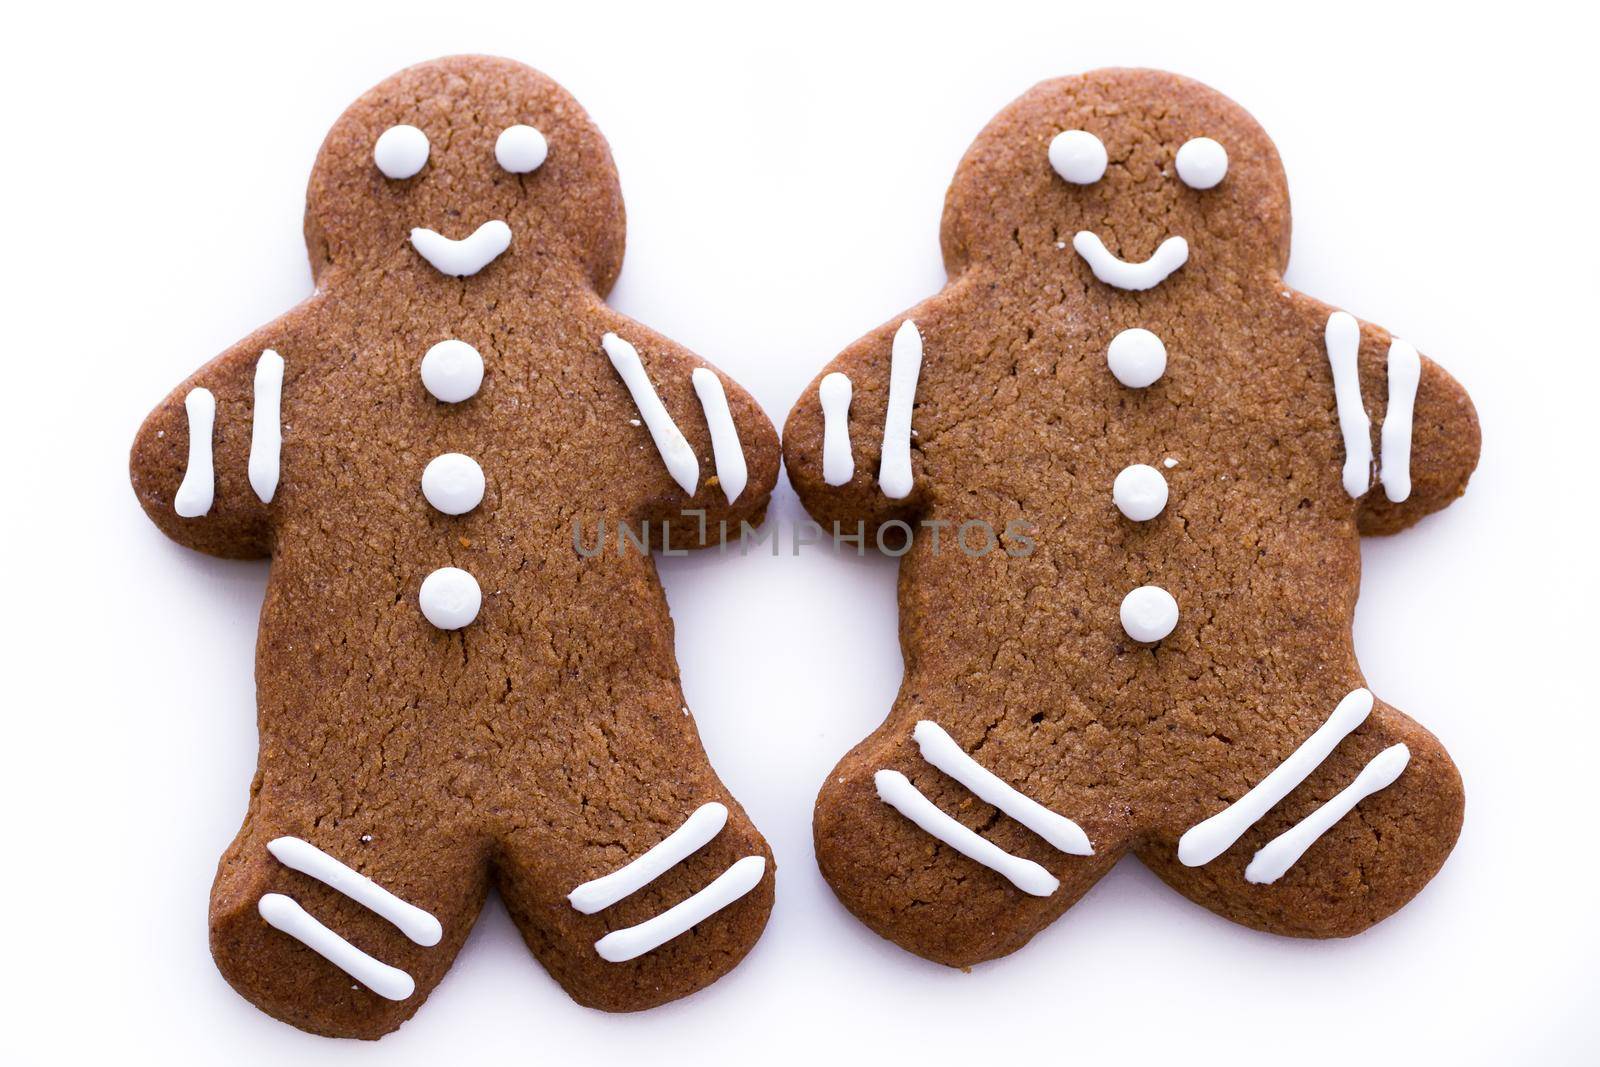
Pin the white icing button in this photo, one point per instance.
(453, 483)
(1137, 358)
(1078, 156)
(450, 598)
(400, 152)
(520, 149)
(1140, 492)
(452, 371)
(1149, 613)
(1202, 163)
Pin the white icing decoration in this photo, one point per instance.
(467, 256)
(1168, 257)
(1140, 492)
(198, 487)
(1137, 358)
(620, 946)
(1394, 467)
(896, 790)
(450, 598)
(699, 828)
(452, 371)
(1207, 840)
(453, 483)
(400, 152)
(303, 856)
(520, 149)
(266, 426)
(1149, 613)
(1285, 850)
(726, 451)
(905, 366)
(1343, 338)
(1202, 163)
(670, 442)
(941, 750)
(1078, 156)
(838, 463)
(283, 913)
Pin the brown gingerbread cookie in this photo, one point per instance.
(1150, 463)
(459, 683)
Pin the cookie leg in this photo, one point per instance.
(676, 883)
(298, 929)
(914, 853)
(1362, 866)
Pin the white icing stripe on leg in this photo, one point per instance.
(282, 913)
(1119, 273)
(896, 790)
(1285, 850)
(941, 750)
(266, 426)
(699, 828)
(198, 487)
(307, 858)
(1207, 840)
(620, 946)
(726, 451)
(670, 442)
(1343, 339)
(838, 464)
(905, 366)
(1394, 467)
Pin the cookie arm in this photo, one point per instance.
(835, 436)
(1424, 461)
(209, 421)
(734, 444)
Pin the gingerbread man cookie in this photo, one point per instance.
(455, 689)
(1185, 452)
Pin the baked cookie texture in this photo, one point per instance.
(1025, 658)
(541, 741)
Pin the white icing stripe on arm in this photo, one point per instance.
(307, 858)
(1394, 468)
(838, 464)
(1285, 850)
(464, 257)
(699, 828)
(195, 493)
(1343, 338)
(905, 366)
(726, 450)
(1168, 257)
(941, 750)
(896, 790)
(620, 946)
(266, 426)
(284, 914)
(1207, 840)
(670, 442)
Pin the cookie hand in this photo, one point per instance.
(206, 463)
(690, 426)
(850, 444)
(1423, 431)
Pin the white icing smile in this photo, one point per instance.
(1172, 254)
(465, 257)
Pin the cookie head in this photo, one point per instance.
(464, 165)
(1129, 167)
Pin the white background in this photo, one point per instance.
(784, 176)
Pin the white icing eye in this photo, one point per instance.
(1202, 163)
(400, 152)
(1078, 156)
(520, 149)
